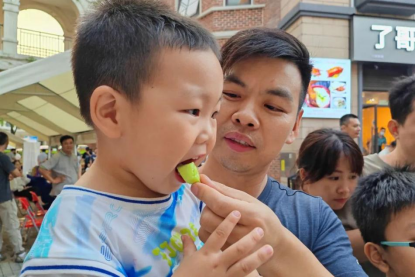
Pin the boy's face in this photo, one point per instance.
(174, 119)
(401, 229)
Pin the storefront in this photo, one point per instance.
(384, 50)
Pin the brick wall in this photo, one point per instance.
(229, 20)
(272, 13)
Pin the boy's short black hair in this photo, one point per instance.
(380, 196)
(402, 99)
(269, 43)
(4, 139)
(344, 120)
(118, 42)
(63, 138)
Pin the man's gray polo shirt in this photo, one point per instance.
(62, 165)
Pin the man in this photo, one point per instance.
(12, 154)
(267, 73)
(63, 168)
(8, 208)
(350, 125)
(382, 140)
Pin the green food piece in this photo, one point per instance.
(189, 173)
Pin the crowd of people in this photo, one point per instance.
(234, 109)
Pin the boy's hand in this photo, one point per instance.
(234, 261)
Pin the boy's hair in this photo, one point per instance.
(321, 150)
(63, 138)
(344, 120)
(118, 43)
(268, 43)
(380, 196)
(4, 139)
(402, 99)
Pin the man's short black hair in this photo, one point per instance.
(63, 138)
(402, 99)
(344, 120)
(118, 43)
(4, 139)
(268, 43)
(380, 196)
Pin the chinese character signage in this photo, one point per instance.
(329, 93)
(383, 40)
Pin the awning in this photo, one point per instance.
(40, 98)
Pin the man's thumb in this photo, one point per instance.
(188, 246)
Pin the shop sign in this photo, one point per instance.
(383, 40)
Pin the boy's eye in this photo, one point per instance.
(353, 177)
(230, 95)
(194, 112)
(334, 178)
(214, 115)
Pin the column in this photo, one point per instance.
(11, 11)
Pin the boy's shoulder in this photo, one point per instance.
(120, 233)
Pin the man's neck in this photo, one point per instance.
(398, 158)
(67, 153)
(252, 183)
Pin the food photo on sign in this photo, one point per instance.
(328, 95)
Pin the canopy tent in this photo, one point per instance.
(40, 98)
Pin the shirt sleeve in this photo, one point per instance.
(6, 164)
(333, 249)
(51, 163)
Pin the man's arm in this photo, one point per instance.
(46, 170)
(9, 167)
(358, 244)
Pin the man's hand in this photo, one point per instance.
(235, 261)
(58, 180)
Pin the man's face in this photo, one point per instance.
(259, 113)
(401, 229)
(406, 134)
(68, 146)
(352, 128)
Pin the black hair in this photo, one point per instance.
(4, 139)
(321, 150)
(380, 196)
(118, 43)
(393, 143)
(402, 99)
(63, 138)
(344, 120)
(383, 128)
(268, 43)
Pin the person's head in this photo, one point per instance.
(329, 164)
(150, 86)
(41, 158)
(382, 132)
(384, 209)
(350, 124)
(18, 165)
(67, 143)
(4, 141)
(13, 150)
(267, 72)
(402, 106)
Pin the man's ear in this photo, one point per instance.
(393, 127)
(105, 107)
(296, 129)
(375, 253)
(342, 127)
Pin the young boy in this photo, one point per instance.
(150, 83)
(384, 209)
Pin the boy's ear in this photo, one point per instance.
(393, 127)
(296, 129)
(105, 106)
(375, 254)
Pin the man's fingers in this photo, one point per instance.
(219, 237)
(243, 247)
(189, 246)
(252, 262)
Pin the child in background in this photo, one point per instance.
(149, 81)
(384, 209)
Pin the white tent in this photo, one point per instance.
(40, 98)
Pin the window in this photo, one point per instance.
(188, 7)
(238, 2)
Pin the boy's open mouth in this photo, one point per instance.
(178, 176)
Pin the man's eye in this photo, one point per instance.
(230, 95)
(194, 112)
(272, 108)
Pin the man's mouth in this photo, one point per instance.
(239, 142)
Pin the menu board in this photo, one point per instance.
(329, 92)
